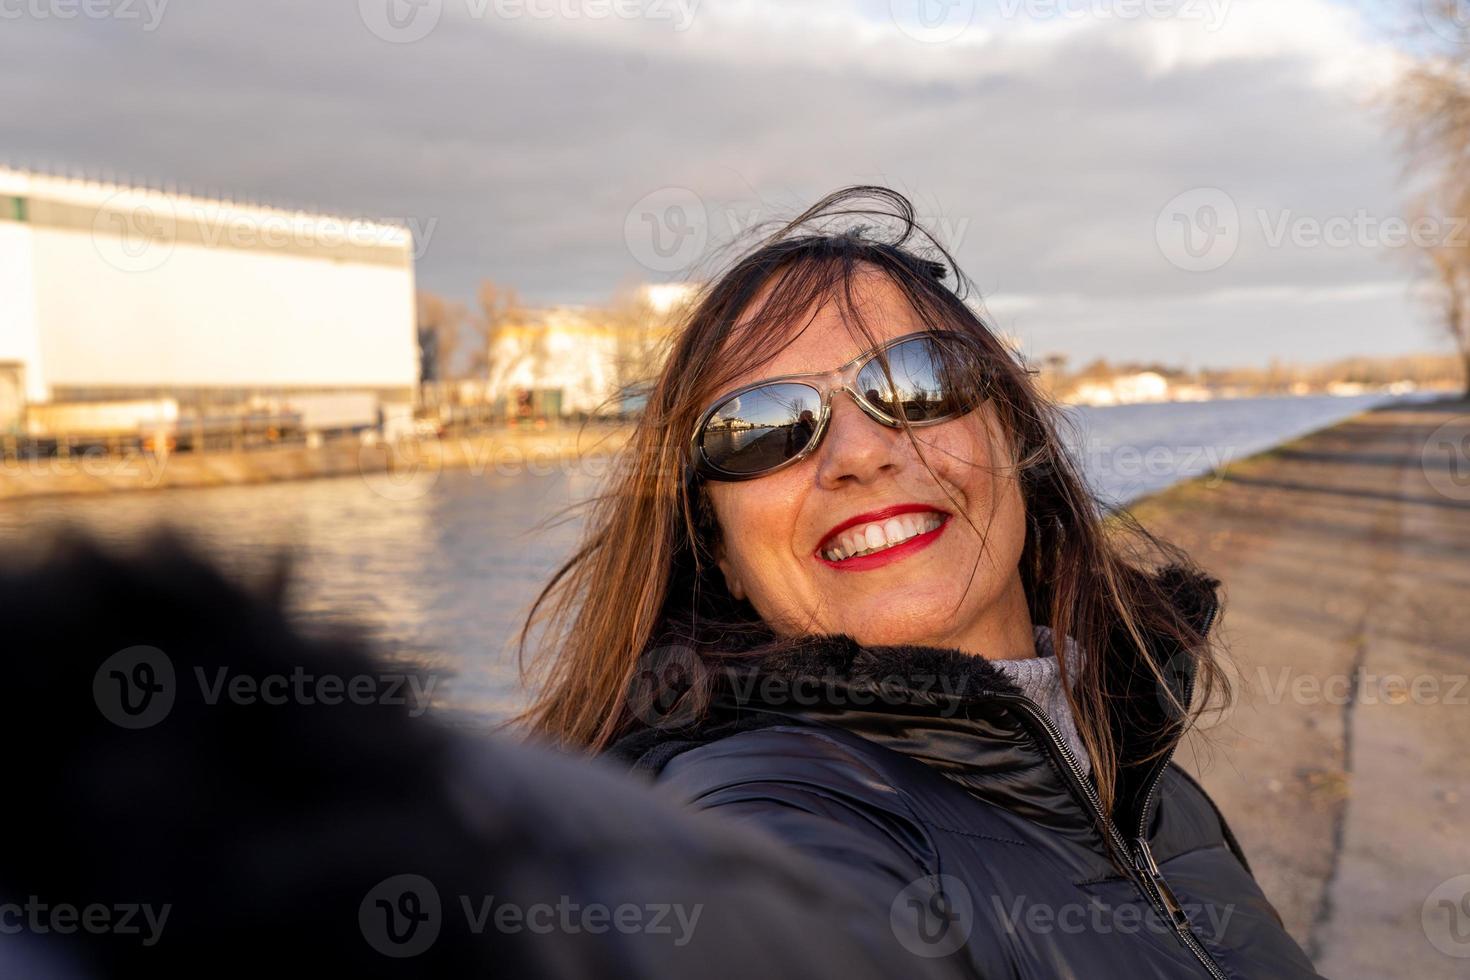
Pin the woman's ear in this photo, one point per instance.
(727, 568)
(710, 527)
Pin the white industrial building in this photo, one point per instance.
(119, 294)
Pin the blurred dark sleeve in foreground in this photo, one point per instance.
(197, 788)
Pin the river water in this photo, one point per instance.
(444, 575)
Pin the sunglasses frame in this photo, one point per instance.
(826, 384)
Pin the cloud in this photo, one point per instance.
(1044, 149)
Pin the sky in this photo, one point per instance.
(1194, 182)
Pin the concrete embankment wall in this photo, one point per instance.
(507, 450)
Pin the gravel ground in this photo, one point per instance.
(1343, 763)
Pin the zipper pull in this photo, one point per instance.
(1143, 861)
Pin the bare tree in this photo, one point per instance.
(1452, 290)
(1430, 108)
(500, 309)
(440, 333)
(642, 329)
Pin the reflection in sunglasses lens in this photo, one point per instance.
(932, 379)
(761, 428)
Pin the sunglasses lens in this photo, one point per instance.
(761, 428)
(933, 378)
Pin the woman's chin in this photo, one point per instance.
(908, 628)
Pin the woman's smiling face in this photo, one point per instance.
(789, 543)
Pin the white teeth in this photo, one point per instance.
(868, 538)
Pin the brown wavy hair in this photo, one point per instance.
(645, 568)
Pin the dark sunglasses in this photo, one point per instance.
(761, 428)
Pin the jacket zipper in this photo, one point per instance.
(1149, 878)
(1143, 856)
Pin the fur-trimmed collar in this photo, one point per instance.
(765, 680)
(919, 669)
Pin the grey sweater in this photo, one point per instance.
(1039, 679)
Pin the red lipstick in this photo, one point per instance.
(877, 559)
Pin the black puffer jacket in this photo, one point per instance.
(931, 787)
(343, 836)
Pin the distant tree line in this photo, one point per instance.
(1275, 377)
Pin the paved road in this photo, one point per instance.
(1344, 765)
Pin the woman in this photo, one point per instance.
(822, 595)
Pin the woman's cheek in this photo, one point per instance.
(784, 590)
(770, 590)
(756, 548)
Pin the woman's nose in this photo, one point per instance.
(856, 449)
